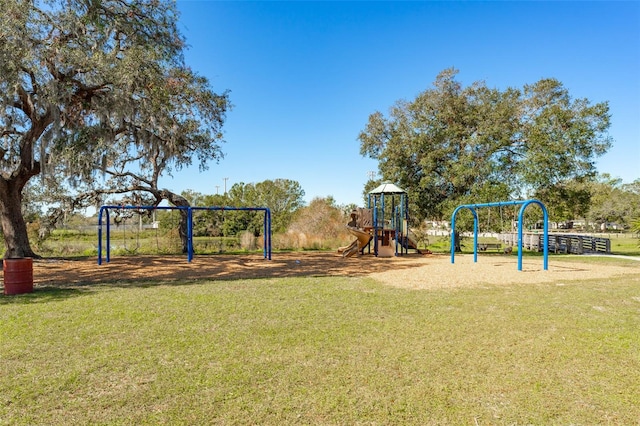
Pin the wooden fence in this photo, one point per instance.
(560, 243)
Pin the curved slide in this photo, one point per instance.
(362, 239)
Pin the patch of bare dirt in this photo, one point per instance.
(409, 271)
(439, 272)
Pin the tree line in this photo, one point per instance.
(456, 144)
(97, 103)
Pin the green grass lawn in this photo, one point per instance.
(625, 245)
(322, 351)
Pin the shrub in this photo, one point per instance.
(248, 241)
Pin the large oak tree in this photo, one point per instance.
(453, 145)
(95, 97)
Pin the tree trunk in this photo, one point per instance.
(14, 228)
(178, 201)
(456, 239)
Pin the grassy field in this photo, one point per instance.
(322, 351)
(70, 243)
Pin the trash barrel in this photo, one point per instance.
(18, 276)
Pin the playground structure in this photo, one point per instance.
(524, 204)
(385, 223)
(104, 210)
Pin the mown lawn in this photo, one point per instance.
(322, 351)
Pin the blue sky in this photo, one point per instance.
(305, 76)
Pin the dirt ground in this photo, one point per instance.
(410, 271)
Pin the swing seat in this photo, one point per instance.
(485, 246)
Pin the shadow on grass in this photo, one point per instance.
(60, 278)
(60, 292)
(44, 294)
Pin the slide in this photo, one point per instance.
(412, 245)
(362, 239)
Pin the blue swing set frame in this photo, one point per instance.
(105, 210)
(524, 204)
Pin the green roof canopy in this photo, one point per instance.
(388, 188)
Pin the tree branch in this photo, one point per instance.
(130, 175)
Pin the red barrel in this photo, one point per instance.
(18, 276)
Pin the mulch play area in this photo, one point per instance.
(410, 271)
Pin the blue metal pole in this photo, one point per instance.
(108, 247)
(475, 231)
(475, 235)
(404, 243)
(520, 235)
(495, 204)
(545, 236)
(382, 210)
(264, 234)
(100, 237)
(189, 234)
(406, 217)
(268, 232)
(453, 232)
(375, 226)
(396, 230)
